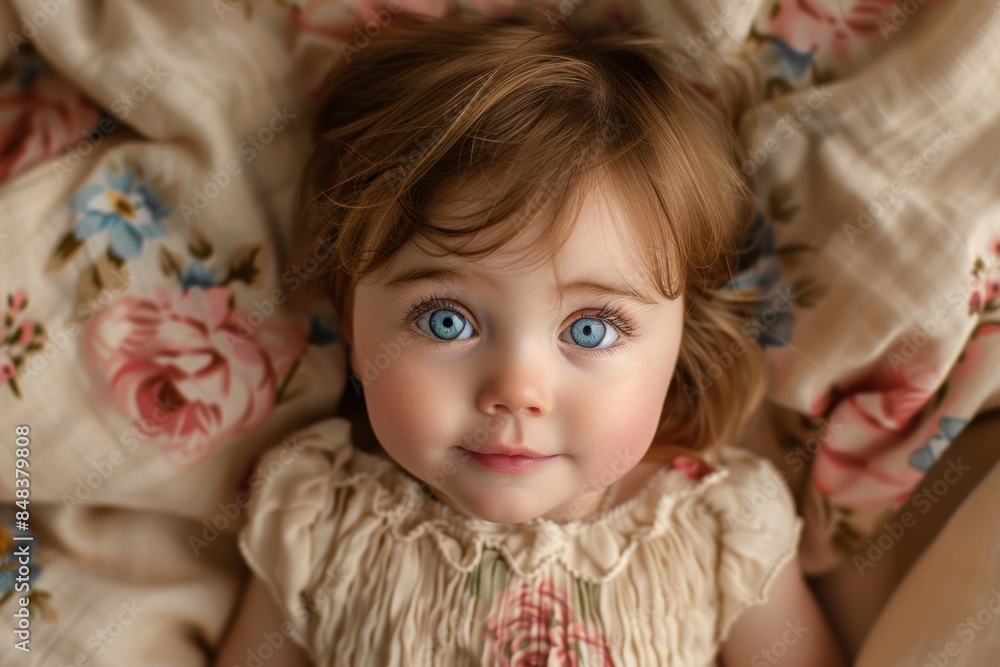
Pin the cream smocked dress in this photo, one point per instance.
(370, 570)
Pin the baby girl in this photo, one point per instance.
(532, 224)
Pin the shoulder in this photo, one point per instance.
(329, 439)
(750, 491)
(759, 529)
(312, 495)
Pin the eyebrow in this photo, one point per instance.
(441, 274)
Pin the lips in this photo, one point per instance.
(513, 450)
(506, 459)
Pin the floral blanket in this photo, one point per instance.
(154, 342)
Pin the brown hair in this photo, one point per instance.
(429, 109)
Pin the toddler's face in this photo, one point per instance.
(497, 359)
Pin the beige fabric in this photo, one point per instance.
(350, 547)
(120, 588)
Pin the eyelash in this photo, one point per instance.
(607, 314)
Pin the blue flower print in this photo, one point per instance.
(923, 459)
(792, 64)
(774, 319)
(777, 54)
(198, 275)
(127, 207)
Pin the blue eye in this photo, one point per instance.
(441, 320)
(447, 324)
(590, 332)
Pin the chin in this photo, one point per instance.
(495, 512)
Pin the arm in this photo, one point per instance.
(789, 628)
(260, 622)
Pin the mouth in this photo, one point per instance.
(506, 459)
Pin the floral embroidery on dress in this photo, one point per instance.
(538, 622)
(534, 623)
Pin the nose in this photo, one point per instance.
(516, 384)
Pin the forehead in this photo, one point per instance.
(600, 240)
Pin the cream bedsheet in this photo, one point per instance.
(155, 342)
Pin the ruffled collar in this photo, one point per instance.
(594, 549)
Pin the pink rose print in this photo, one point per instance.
(39, 121)
(187, 368)
(819, 26)
(865, 460)
(532, 626)
(984, 284)
(337, 21)
(7, 370)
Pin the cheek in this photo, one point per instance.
(627, 415)
(409, 404)
(635, 424)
